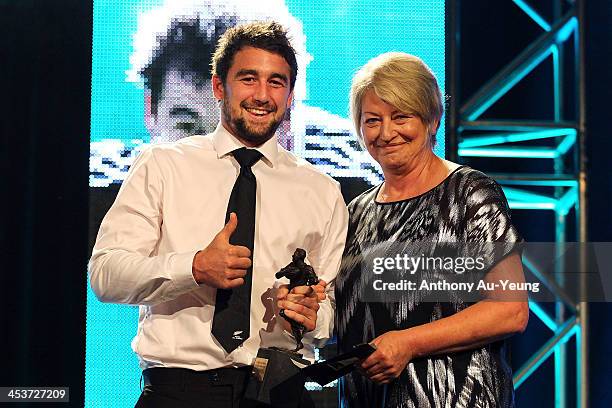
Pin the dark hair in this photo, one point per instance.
(186, 48)
(269, 36)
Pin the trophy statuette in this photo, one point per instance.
(277, 379)
(299, 273)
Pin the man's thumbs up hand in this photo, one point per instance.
(221, 264)
(229, 228)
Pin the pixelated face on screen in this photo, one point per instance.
(175, 65)
(176, 76)
(186, 107)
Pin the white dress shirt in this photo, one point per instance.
(171, 205)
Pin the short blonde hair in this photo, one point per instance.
(401, 80)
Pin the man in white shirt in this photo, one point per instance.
(163, 244)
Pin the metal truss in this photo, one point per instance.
(561, 190)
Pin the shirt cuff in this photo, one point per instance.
(181, 272)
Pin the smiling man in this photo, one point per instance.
(200, 227)
(255, 91)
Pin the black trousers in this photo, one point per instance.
(182, 388)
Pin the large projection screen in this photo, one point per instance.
(333, 38)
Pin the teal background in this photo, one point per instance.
(340, 37)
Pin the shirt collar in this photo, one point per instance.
(225, 143)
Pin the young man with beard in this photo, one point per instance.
(200, 227)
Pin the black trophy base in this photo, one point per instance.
(277, 378)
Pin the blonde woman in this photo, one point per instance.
(429, 352)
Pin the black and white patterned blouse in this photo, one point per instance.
(467, 206)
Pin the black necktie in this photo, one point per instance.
(232, 307)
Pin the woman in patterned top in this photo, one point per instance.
(430, 351)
